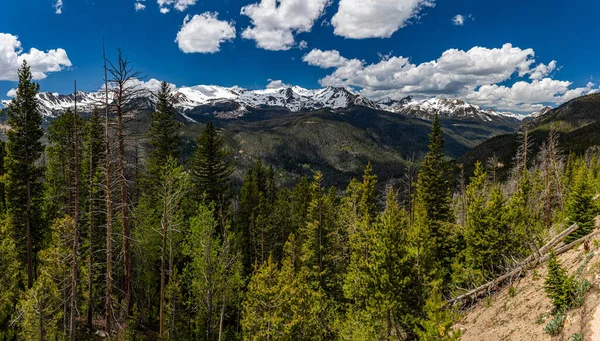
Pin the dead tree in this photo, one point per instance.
(125, 90)
(75, 226)
(108, 298)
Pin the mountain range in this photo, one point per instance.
(234, 102)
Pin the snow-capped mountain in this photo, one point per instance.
(220, 101)
(235, 102)
(456, 109)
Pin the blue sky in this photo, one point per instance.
(377, 47)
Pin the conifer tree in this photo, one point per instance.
(487, 230)
(164, 132)
(211, 169)
(580, 207)
(213, 274)
(23, 175)
(434, 196)
(10, 281)
(437, 326)
(559, 286)
(92, 175)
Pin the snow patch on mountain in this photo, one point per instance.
(235, 102)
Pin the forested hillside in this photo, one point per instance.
(98, 242)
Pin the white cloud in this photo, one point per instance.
(543, 70)
(303, 45)
(139, 6)
(12, 93)
(359, 19)
(58, 6)
(274, 22)
(276, 84)
(204, 33)
(473, 75)
(324, 59)
(41, 63)
(524, 96)
(180, 5)
(458, 20)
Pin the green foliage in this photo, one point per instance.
(434, 198)
(580, 207)
(41, 310)
(437, 326)
(23, 149)
(164, 132)
(555, 326)
(487, 231)
(59, 192)
(210, 168)
(559, 286)
(214, 273)
(10, 279)
(576, 337)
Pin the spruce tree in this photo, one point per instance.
(487, 229)
(211, 169)
(164, 132)
(580, 207)
(11, 276)
(434, 196)
(23, 149)
(213, 273)
(558, 285)
(437, 326)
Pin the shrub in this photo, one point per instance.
(555, 326)
(560, 288)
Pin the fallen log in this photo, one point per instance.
(537, 257)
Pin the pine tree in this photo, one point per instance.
(213, 274)
(23, 176)
(211, 169)
(434, 196)
(10, 281)
(92, 175)
(438, 324)
(559, 286)
(164, 132)
(487, 230)
(580, 207)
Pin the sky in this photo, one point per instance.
(511, 55)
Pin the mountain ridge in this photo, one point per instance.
(235, 102)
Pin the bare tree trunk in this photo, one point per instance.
(124, 209)
(163, 263)
(222, 318)
(108, 210)
(29, 241)
(91, 240)
(75, 228)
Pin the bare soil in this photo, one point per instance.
(523, 313)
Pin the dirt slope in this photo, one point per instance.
(523, 313)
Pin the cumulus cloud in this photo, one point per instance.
(276, 84)
(180, 5)
(139, 6)
(274, 23)
(324, 59)
(204, 33)
(542, 70)
(359, 19)
(458, 20)
(41, 63)
(524, 96)
(473, 75)
(12, 93)
(58, 5)
(303, 45)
